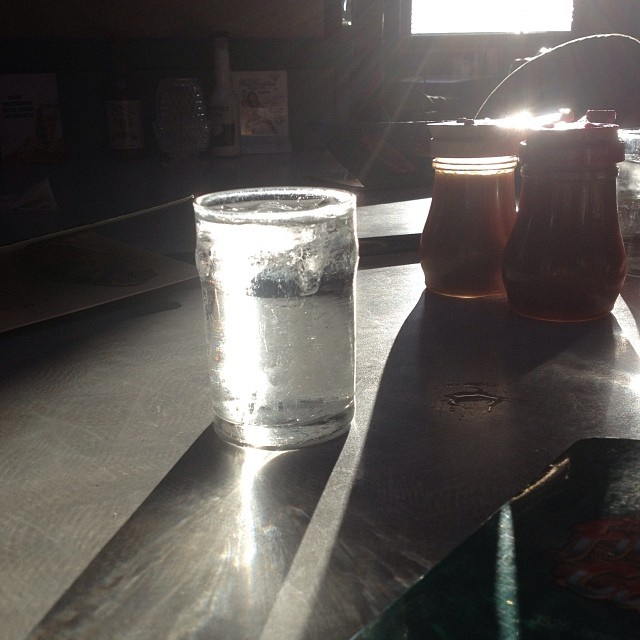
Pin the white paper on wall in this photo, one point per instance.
(30, 123)
(264, 111)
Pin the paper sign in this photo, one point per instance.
(264, 111)
(30, 125)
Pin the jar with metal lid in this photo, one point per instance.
(472, 209)
(565, 259)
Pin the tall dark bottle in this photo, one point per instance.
(565, 260)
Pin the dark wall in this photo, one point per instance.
(164, 38)
(86, 70)
(161, 18)
(73, 38)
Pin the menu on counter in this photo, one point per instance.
(30, 124)
(68, 272)
(264, 111)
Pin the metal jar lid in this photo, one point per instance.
(466, 138)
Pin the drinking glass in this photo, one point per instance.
(277, 267)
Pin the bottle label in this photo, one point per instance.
(124, 123)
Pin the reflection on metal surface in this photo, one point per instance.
(506, 588)
(293, 607)
(634, 383)
(253, 461)
(622, 311)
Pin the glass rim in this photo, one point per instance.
(322, 203)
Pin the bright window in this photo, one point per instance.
(490, 16)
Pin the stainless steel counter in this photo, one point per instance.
(123, 516)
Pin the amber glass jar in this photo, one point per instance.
(472, 210)
(565, 259)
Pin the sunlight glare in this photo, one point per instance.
(634, 384)
(254, 460)
(294, 605)
(518, 120)
(491, 16)
(242, 371)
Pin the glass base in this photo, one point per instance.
(284, 436)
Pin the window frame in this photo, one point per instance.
(401, 49)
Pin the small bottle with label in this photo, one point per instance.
(224, 108)
(124, 114)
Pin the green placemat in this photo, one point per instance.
(559, 560)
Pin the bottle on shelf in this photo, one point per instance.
(224, 108)
(124, 112)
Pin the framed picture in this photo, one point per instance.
(30, 124)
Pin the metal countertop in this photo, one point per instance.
(123, 516)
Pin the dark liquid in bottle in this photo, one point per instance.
(565, 258)
(470, 219)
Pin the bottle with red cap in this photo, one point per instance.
(565, 259)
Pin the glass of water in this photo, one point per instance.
(277, 267)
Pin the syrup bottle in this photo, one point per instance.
(565, 259)
(473, 208)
